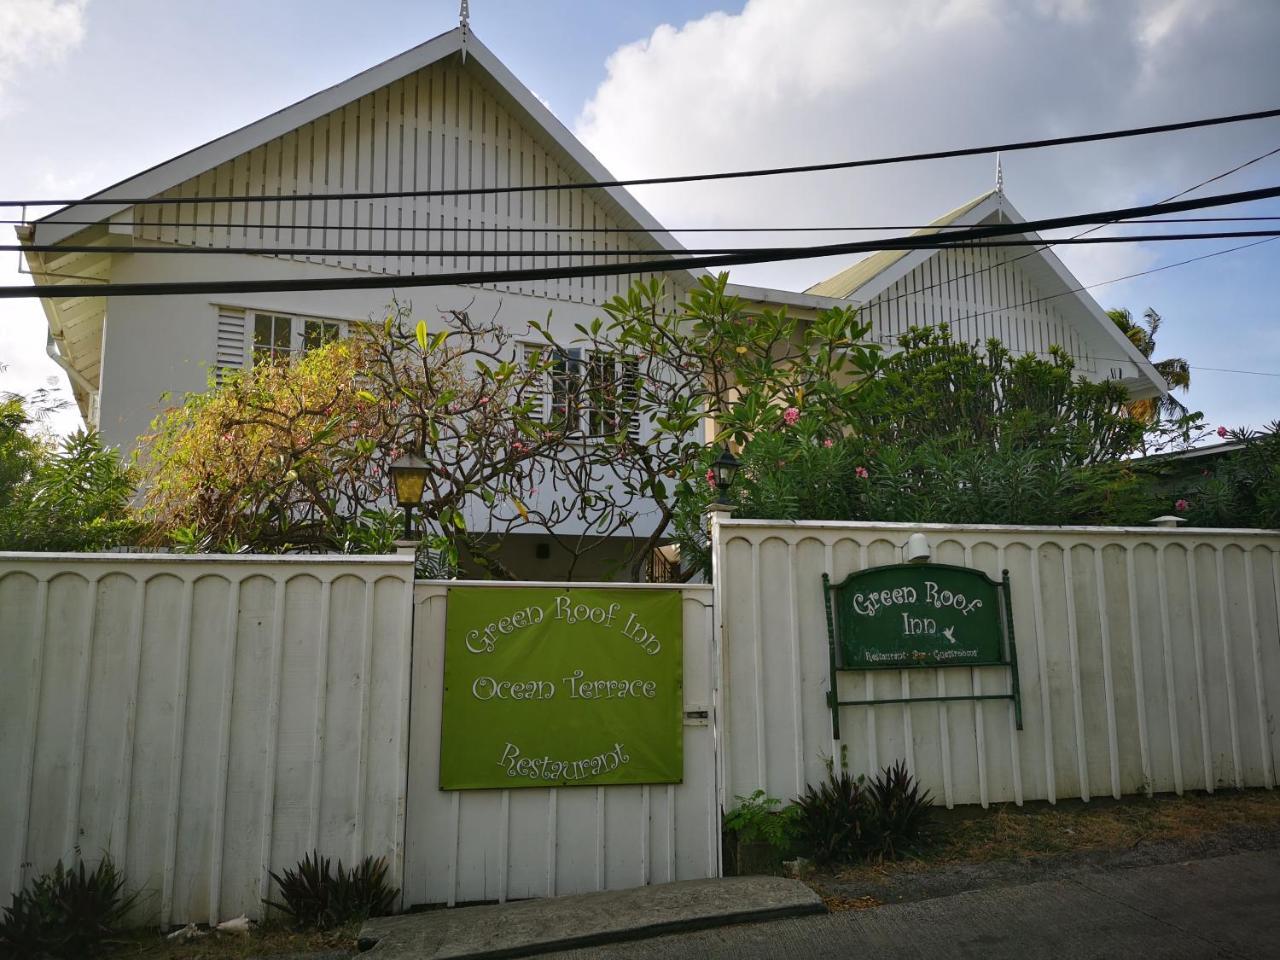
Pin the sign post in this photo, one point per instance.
(558, 686)
(919, 615)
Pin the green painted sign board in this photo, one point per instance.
(917, 615)
(561, 686)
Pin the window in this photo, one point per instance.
(278, 337)
(587, 392)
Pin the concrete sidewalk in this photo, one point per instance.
(538, 926)
(1223, 907)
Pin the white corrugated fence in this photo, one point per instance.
(1149, 661)
(203, 720)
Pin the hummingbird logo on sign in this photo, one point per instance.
(949, 633)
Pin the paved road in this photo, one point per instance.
(1224, 907)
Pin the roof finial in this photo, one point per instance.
(464, 24)
(999, 168)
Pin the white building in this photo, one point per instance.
(445, 115)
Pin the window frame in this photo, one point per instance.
(298, 324)
(582, 373)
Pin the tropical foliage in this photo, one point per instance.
(67, 913)
(843, 818)
(1175, 370)
(946, 432)
(294, 456)
(68, 494)
(316, 895)
(1241, 488)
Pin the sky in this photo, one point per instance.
(92, 91)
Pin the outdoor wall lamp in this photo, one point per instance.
(918, 550)
(409, 474)
(723, 470)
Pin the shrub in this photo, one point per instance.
(317, 896)
(832, 818)
(69, 913)
(843, 818)
(898, 812)
(59, 494)
(756, 819)
(1242, 489)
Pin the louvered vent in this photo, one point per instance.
(231, 341)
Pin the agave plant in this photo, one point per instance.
(898, 812)
(66, 913)
(317, 896)
(831, 821)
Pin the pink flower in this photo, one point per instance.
(828, 442)
(1222, 432)
(861, 473)
(1182, 506)
(790, 416)
(482, 401)
(711, 478)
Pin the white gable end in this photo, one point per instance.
(440, 128)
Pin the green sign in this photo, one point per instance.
(548, 687)
(917, 615)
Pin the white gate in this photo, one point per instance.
(473, 845)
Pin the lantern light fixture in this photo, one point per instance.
(409, 476)
(724, 469)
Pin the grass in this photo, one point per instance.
(1006, 832)
(262, 941)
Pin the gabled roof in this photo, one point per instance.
(867, 279)
(850, 279)
(51, 229)
(75, 324)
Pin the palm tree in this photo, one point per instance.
(1175, 370)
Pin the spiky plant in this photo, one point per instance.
(317, 896)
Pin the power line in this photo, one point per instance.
(388, 228)
(682, 178)
(1129, 276)
(675, 263)
(892, 243)
(1050, 243)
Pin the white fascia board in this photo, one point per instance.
(1154, 383)
(570, 144)
(785, 298)
(157, 179)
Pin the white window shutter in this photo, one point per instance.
(233, 343)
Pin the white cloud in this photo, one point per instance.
(794, 81)
(35, 34)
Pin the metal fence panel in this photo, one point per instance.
(1149, 661)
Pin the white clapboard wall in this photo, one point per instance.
(1149, 662)
(980, 293)
(202, 719)
(465, 846)
(446, 126)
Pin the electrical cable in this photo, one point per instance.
(597, 270)
(1050, 243)
(893, 243)
(387, 228)
(681, 178)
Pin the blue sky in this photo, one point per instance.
(92, 91)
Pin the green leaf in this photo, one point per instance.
(421, 333)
